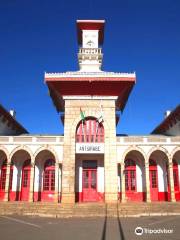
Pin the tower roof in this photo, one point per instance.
(90, 25)
(90, 84)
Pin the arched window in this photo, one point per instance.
(49, 175)
(90, 130)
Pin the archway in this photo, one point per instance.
(158, 176)
(3, 168)
(20, 176)
(89, 163)
(135, 186)
(45, 178)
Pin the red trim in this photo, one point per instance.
(90, 25)
(58, 87)
(79, 197)
(136, 196)
(163, 196)
(90, 131)
(14, 196)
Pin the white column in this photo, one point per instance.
(6, 197)
(148, 197)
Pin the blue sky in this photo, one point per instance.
(38, 36)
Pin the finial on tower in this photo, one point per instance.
(90, 37)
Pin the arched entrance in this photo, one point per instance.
(3, 167)
(134, 172)
(158, 176)
(20, 176)
(89, 169)
(45, 177)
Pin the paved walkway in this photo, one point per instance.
(28, 228)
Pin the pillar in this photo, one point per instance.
(6, 197)
(171, 181)
(56, 195)
(123, 190)
(110, 152)
(147, 180)
(31, 187)
(68, 165)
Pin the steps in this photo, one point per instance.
(89, 209)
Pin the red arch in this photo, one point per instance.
(90, 130)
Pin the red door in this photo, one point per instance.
(48, 181)
(2, 181)
(176, 181)
(130, 179)
(25, 183)
(130, 183)
(153, 177)
(89, 185)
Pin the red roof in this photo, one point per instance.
(90, 25)
(168, 122)
(90, 86)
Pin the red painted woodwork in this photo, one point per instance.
(25, 180)
(89, 182)
(176, 181)
(90, 25)
(48, 181)
(90, 130)
(79, 197)
(89, 185)
(130, 180)
(100, 86)
(153, 178)
(3, 180)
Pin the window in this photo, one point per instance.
(90, 131)
(49, 176)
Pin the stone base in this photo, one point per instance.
(111, 197)
(68, 198)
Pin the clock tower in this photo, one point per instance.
(90, 39)
(88, 99)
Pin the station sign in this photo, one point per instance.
(90, 148)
